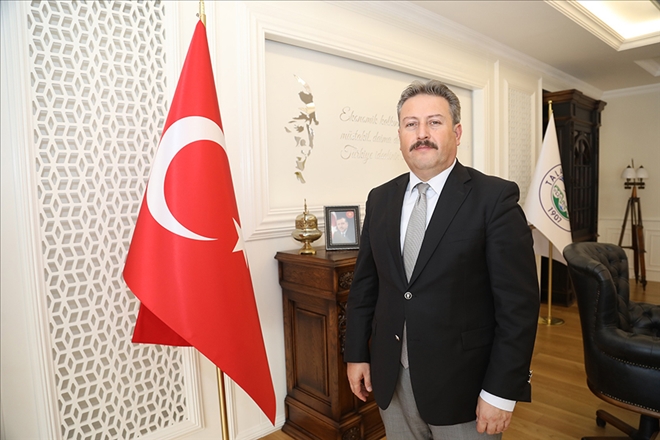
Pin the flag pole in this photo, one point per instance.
(221, 376)
(202, 12)
(549, 320)
(223, 405)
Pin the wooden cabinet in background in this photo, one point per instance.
(577, 119)
(319, 402)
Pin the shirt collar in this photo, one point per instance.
(436, 183)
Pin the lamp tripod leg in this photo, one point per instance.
(634, 210)
(641, 250)
(625, 220)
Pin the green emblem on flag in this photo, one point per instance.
(559, 200)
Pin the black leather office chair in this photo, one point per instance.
(621, 338)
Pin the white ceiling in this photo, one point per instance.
(540, 30)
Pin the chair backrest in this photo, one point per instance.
(599, 272)
(602, 268)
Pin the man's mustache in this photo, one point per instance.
(426, 142)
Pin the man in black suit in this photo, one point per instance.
(448, 347)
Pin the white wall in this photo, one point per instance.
(631, 130)
(394, 35)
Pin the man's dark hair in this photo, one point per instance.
(433, 88)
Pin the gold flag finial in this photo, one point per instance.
(202, 12)
(549, 107)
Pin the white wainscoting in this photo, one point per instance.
(609, 230)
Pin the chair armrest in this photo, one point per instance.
(637, 349)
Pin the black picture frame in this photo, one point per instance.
(336, 217)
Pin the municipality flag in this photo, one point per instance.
(545, 206)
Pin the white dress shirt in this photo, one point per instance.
(436, 184)
(432, 196)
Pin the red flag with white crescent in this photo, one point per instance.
(187, 263)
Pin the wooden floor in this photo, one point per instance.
(563, 408)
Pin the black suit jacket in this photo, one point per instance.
(472, 316)
(337, 238)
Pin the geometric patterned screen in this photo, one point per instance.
(521, 143)
(98, 88)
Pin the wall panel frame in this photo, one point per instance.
(329, 32)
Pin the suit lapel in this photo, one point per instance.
(452, 197)
(394, 207)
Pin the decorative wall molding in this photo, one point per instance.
(97, 101)
(641, 90)
(609, 230)
(279, 22)
(319, 26)
(26, 366)
(521, 136)
(589, 21)
(411, 17)
(520, 125)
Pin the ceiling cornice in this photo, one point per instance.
(413, 18)
(631, 91)
(582, 16)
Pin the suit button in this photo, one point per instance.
(397, 337)
(407, 295)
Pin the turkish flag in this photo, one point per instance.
(186, 263)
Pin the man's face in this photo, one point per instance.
(427, 136)
(342, 224)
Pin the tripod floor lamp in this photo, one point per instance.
(634, 179)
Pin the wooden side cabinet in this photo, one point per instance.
(319, 402)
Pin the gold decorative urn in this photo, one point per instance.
(306, 231)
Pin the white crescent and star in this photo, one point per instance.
(180, 134)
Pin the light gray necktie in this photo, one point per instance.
(411, 246)
(415, 231)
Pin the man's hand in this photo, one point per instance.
(359, 376)
(491, 419)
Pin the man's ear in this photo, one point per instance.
(458, 131)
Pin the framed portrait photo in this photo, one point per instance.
(342, 227)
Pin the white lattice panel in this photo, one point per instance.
(99, 99)
(520, 139)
